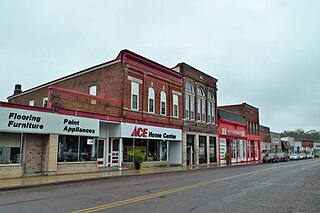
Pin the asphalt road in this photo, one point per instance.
(281, 187)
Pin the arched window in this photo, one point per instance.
(93, 90)
(211, 107)
(201, 109)
(151, 100)
(163, 103)
(189, 101)
(189, 87)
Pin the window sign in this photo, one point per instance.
(150, 132)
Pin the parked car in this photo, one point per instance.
(303, 155)
(310, 156)
(270, 158)
(294, 156)
(283, 157)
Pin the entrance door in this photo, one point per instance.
(100, 152)
(190, 149)
(113, 152)
(189, 155)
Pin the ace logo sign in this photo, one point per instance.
(139, 132)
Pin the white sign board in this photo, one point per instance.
(129, 130)
(28, 121)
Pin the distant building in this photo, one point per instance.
(265, 139)
(287, 144)
(275, 145)
(251, 114)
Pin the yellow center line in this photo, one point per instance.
(157, 194)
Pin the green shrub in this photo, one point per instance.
(138, 156)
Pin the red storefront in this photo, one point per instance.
(234, 140)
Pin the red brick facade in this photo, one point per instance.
(113, 94)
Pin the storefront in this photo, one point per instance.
(161, 145)
(35, 141)
(232, 137)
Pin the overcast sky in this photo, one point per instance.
(264, 53)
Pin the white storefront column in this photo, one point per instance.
(208, 149)
(196, 150)
(184, 149)
(120, 153)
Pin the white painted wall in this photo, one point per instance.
(175, 152)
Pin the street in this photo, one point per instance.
(279, 187)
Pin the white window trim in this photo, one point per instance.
(134, 93)
(163, 98)
(151, 95)
(45, 102)
(93, 90)
(175, 103)
(31, 102)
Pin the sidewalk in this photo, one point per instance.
(26, 182)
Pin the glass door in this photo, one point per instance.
(100, 144)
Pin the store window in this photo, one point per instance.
(211, 107)
(202, 149)
(244, 144)
(212, 149)
(93, 90)
(154, 150)
(163, 104)
(151, 100)
(201, 105)
(127, 150)
(134, 96)
(141, 145)
(10, 148)
(175, 105)
(76, 149)
(189, 101)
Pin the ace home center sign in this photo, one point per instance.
(150, 132)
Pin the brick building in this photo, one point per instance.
(251, 114)
(232, 137)
(136, 102)
(265, 139)
(199, 95)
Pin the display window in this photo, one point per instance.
(212, 149)
(76, 149)
(10, 148)
(154, 150)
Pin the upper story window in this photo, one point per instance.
(211, 107)
(134, 96)
(163, 103)
(31, 103)
(151, 100)
(175, 105)
(189, 101)
(201, 109)
(45, 102)
(93, 90)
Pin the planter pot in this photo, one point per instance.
(137, 165)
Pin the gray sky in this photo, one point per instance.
(265, 53)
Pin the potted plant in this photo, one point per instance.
(228, 158)
(138, 157)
